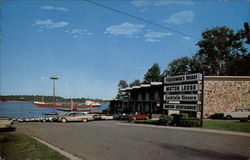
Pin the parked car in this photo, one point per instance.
(76, 117)
(117, 116)
(139, 116)
(238, 114)
(6, 123)
(106, 117)
(97, 117)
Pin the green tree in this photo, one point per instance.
(222, 52)
(122, 84)
(135, 83)
(178, 67)
(153, 74)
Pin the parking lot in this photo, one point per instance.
(105, 140)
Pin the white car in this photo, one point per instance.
(105, 117)
(76, 117)
(6, 123)
(238, 113)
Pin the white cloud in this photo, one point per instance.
(47, 7)
(139, 3)
(143, 10)
(186, 38)
(55, 8)
(49, 24)
(156, 36)
(152, 40)
(62, 9)
(181, 17)
(126, 29)
(79, 32)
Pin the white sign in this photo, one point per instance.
(183, 88)
(183, 78)
(188, 107)
(184, 97)
(174, 102)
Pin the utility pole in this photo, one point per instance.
(54, 87)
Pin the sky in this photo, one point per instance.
(90, 48)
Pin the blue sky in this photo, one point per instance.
(90, 48)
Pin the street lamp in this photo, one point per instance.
(54, 92)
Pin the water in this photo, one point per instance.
(27, 109)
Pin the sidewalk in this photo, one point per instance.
(189, 129)
(62, 152)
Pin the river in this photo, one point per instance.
(28, 109)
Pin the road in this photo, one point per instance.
(107, 140)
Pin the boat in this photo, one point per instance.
(87, 104)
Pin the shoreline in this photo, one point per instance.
(17, 101)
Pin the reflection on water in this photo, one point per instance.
(23, 109)
(27, 109)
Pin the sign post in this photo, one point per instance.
(184, 93)
(202, 101)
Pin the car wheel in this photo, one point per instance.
(84, 120)
(228, 117)
(249, 117)
(64, 120)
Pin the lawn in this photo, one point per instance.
(230, 125)
(14, 146)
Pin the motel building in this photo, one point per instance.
(194, 94)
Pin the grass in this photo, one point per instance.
(14, 146)
(228, 125)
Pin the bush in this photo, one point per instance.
(131, 119)
(243, 120)
(189, 122)
(165, 120)
(217, 116)
(178, 117)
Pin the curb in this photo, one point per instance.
(190, 129)
(62, 152)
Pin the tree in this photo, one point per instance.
(221, 52)
(178, 67)
(135, 83)
(122, 84)
(153, 74)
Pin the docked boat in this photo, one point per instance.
(87, 104)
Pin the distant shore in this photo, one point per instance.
(18, 101)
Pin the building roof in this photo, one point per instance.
(141, 86)
(155, 83)
(227, 78)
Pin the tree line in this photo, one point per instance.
(32, 98)
(222, 52)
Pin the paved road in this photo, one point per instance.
(106, 140)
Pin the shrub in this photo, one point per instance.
(189, 122)
(165, 120)
(178, 117)
(131, 119)
(243, 120)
